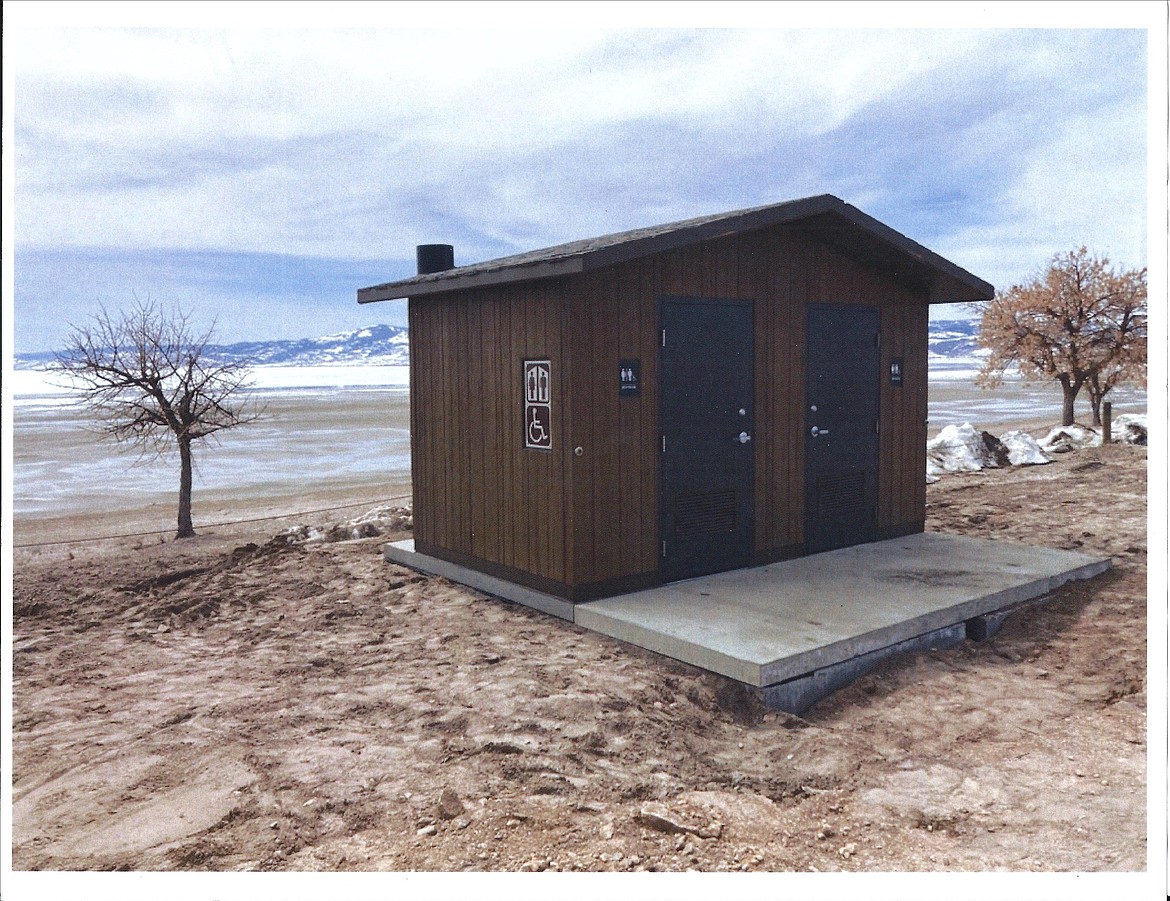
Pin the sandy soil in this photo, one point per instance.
(231, 703)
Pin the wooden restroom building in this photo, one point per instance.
(638, 408)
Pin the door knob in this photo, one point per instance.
(815, 432)
(744, 437)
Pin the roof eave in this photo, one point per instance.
(951, 284)
(453, 281)
(949, 290)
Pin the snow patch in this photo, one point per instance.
(1065, 438)
(1023, 449)
(1131, 428)
(960, 448)
(963, 448)
(374, 522)
(338, 375)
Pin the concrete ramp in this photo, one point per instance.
(789, 620)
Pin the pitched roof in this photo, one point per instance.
(826, 217)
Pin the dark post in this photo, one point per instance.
(1107, 423)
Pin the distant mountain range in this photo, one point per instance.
(379, 345)
(953, 337)
(386, 345)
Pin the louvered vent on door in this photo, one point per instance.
(838, 493)
(703, 514)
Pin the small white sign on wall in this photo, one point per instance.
(538, 404)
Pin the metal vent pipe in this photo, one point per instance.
(435, 258)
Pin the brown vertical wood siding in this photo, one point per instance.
(480, 495)
(578, 524)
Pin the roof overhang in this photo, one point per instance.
(825, 217)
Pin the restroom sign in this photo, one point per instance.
(630, 375)
(538, 404)
(896, 367)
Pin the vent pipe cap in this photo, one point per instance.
(435, 258)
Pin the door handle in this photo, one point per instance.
(744, 437)
(816, 432)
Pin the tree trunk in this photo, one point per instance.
(1096, 395)
(1069, 390)
(186, 529)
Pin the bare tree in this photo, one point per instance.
(150, 379)
(1080, 323)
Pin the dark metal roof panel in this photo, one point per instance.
(880, 244)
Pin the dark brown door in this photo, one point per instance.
(840, 431)
(706, 422)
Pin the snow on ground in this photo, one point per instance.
(39, 386)
(374, 522)
(1065, 438)
(330, 376)
(27, 383)
(963, 448)
(953, 369)
(1131, 428)
(1023, 449)
(960, 448)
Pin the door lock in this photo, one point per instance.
(816, 432)
(744, 437)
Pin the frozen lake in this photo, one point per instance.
(335, 427)
(954, 399)
(325, 426)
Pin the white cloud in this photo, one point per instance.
(995, 148)
(191, 138)
(1084, 185)
(1080, 187)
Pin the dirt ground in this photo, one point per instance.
(231, 703)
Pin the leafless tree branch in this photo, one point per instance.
(147, 376)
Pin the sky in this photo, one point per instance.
(259, 175)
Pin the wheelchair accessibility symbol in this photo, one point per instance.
(538, 404)
(538, 427)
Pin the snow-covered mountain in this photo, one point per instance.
(953, 338)
(378, 345)
(386, 345)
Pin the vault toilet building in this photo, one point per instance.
(628, 411)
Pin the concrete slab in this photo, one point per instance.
(801, 629)
(799, 694)
(403, 553)
(775, 623)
